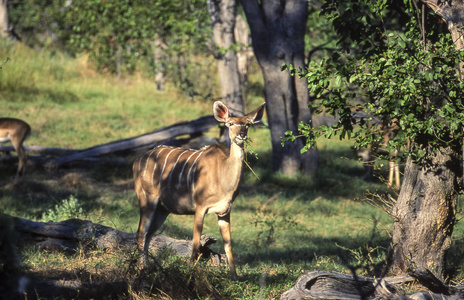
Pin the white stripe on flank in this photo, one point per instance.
(183, 168)
(154, 167)
(164, 167)
(146, 163)
(173, 167)
(188, 174)
(193, 176)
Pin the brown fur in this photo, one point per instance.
(16, 131)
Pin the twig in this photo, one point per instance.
(251, 169)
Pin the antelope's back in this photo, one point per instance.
(9, 126)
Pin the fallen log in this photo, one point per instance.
(40, 150)
(135, 144)
(318, 285)
(326, 285)
(145, 141)
(75, 234)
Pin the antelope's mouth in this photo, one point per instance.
(239, 140)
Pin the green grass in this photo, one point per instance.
(281, 226)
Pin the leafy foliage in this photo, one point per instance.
(386, 71)
(120, 36)
(67, 209)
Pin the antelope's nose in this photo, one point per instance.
(242, 136)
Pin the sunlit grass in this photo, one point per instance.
(83, 108)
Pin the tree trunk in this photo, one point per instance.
(222, 13)
(277, 30)
(426, 206)
(425, 214)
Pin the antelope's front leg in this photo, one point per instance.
(197, 229)
(224, 225)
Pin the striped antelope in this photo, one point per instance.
(16, 131)
(192, 182)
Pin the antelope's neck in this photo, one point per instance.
(236, 153)
(233, 166)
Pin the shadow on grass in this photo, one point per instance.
(307, 251)
(23, 94)
(40, 190)
(340, 174)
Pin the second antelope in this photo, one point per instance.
(369, 155)
(15, 131)
(192, 182)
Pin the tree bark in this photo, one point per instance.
(425, 213)
(222, 14)
(277, 30)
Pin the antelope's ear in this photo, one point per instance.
(220, 111)
(256, 115)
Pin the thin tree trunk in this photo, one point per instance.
(278, 29)
(159, 47)
(244, 53)
(222, 13)
(4, 30)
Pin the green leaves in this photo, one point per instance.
(118, 35)
(386, 75)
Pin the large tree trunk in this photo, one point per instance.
(222, 13)
(425, 213)
(426, 206)
(277, 30)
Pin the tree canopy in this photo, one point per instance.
(385, 69)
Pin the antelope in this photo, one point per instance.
(16, 131)
(368, 156)
(192, 182)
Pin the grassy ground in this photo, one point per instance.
(281, 226)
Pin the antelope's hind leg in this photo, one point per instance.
(157, 220)
(151, 218)
(22, 158)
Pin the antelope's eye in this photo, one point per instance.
(229, 124)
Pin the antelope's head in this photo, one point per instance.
(238, 126)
